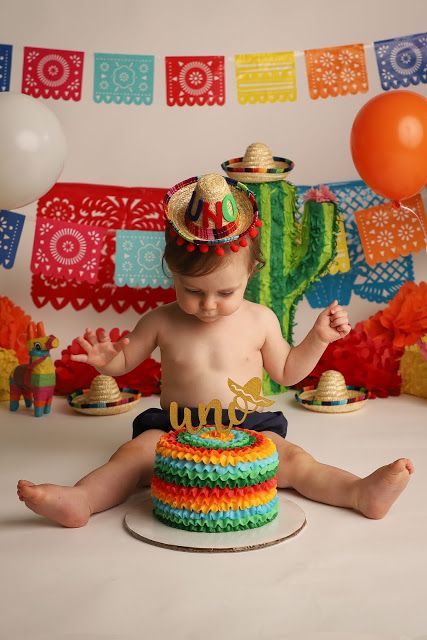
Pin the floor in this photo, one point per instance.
(343, 577)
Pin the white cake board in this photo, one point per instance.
(141, 523)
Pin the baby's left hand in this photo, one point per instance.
(332, 324)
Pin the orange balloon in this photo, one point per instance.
(389, 144)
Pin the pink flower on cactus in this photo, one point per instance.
(321, 194)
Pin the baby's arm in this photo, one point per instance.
(117, 358)
(288, 365)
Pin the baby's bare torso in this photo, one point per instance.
(198, 358)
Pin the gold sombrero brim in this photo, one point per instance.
(177, 203)
(237, 170)
(357, 397)
(79, 401)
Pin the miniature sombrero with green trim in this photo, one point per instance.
(211, 211)
(103, 398)
(258, 165)
(332, 395)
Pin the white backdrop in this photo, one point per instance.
(158, 146)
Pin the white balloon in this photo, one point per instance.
(32, 150)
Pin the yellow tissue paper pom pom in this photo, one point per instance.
(413, 371)
(8, 362)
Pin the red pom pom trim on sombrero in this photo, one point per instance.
(213, 211)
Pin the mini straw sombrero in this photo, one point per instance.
(210, 211)
(103, 398)
(257, 165)
(332, 395)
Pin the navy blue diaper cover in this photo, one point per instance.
(154, 418)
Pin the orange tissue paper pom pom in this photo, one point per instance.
(406, 314)
(13, 328)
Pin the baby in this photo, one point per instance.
(211, 333)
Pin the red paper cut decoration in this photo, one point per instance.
(108, 208)
(67, 250)
(369, 355)
(52, 73)
(195, 80)
(72, 375)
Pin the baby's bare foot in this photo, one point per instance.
(377, 492)
(66, 505)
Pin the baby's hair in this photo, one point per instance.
(195, 263)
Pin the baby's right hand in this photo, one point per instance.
(99, 348)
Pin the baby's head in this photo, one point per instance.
(209, 268)
(209, 286)
(195, 263)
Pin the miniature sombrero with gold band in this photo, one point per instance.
(103, 398)
(332, 395)
(211, 210)
(258, 165)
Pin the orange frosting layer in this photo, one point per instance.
(212, 493)
(205, 499)
(223, 437)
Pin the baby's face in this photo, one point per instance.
(216, 294)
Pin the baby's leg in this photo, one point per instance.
(131, 466)
(372, 496)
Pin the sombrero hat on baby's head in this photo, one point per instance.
(332, 395)
(257, 165)
(210, 211)
(103, 398)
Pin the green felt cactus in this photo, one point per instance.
(296, 251)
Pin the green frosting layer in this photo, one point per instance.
(242, 440)
(194, 478)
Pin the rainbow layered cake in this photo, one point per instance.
(215, 482)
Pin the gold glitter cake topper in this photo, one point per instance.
(247, 399)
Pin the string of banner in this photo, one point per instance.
(200, 80)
